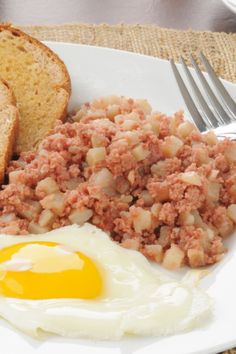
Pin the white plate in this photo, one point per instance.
(96, 72)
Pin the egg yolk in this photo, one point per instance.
(46, 270)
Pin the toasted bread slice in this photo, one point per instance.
(9, 121)
(40, 82)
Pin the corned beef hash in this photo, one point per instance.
(153, 182)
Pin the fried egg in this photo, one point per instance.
(76, 282)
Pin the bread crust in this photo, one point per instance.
(65, 82)
(7, 149)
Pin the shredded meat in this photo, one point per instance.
(153, 182)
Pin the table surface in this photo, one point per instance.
(212, 15)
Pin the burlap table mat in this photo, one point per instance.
(220, 48)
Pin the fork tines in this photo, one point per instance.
(205, 116)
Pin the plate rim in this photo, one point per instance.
(121, 51)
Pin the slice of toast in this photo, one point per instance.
(9, 121)
(40, 82)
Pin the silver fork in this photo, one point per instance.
(220, 113)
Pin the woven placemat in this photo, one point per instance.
(220, 48)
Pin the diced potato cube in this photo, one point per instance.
(201, 154)
(35, 228)
(110, 191)
(73, 183)
(35, 205)
(147, 198)
(16, 177)
(230, 152)
(213, 174)
(106, 101)
(186, 218)
(210, 233)
(131, 243)
(98, 141)
(96, 114)
(112, 111)
(133, 116)
(207, 235)
(46, 218)
(155, 252)
(26, 213)
(184, 129)
(126, 198)
(163, 239)
(171, 146)
(159, 168)
(80, 216)
(131, 176)
(173, 257)
(128, 124)
(175, 121)
(154, 120)
(6, 218)
(13, 229)
(196, 257)
(47, 185)
(119, 119)
(79, 114)
(147, 127)
(213, 191)
(103, 178)
(95, 155)
(197, 218)
(210, 138)
(132, 137)
(231, 212)
(21, 163)
(122, 184)
(143, 220)
(31, 210)
(191, 177)
(55, 202)
(140, 153)
(144, 105)
(226, 227)
(119, 100)
(155, 209)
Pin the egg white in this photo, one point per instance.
(137, 298)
